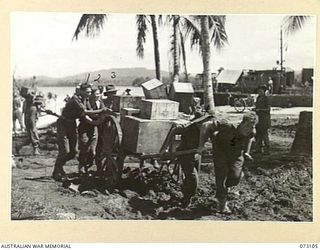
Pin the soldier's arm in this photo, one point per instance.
(49, 112)
(247, 147)
(175, 129)
(206, 130)
(85, 110)
(96, 112)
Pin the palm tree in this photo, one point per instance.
(177, 41)
(184, 59)
(183, 27)
(178, 45)
(302, 143)
(92, 24)
(141, 21)
(176, 57)
(292, 24)
(206, 55)
(204, 31)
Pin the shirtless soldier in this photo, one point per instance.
(231, 146)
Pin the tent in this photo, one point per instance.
(229, 76)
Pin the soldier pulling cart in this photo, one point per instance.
(172, 143)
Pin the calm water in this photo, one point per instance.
(62, 92)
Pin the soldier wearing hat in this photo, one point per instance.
(29, 98)
(88, 133)
(32, 116)
(262, 108)
(17, 114)
(74, 109)
(109, 93)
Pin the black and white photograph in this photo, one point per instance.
(152, 116)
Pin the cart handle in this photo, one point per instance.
(169, 155)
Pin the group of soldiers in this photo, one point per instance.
(231, 144)
(27, 113)
(86, 104)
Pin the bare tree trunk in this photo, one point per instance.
(156, 46)
(184, 57)
(176, 57)
(205, 49)
(302, 143)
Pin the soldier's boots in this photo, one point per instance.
(36, 151)
(185, 202)
(58, 175)
(223, 206)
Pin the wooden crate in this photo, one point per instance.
(144, 136)
(130, 111)
(181, 87)
(154, 89)
(183, 93)
(159, 109)
(126, 101)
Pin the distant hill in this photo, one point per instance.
(123, 76)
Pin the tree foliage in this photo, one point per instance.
(292, 24)
(92, 24)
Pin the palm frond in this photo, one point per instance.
(291, 24)
(91, 23)
(191, 28)
(164, 19)
(171, 41)
(141, 36)
(219, 35)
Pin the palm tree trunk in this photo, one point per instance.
(176, 61)
(183, 50)
(205, 49)
(156, 46)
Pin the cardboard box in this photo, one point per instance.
(126, 101)
(159, 109)
(154, 89)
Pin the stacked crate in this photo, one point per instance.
(183, 93)
(146, 133)
(126, 101)
(154, 89)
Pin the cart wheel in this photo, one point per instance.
(111, 136)
(239, 105)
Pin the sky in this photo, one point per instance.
(41, 44)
